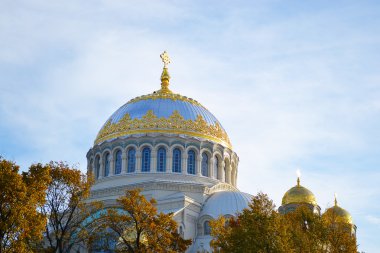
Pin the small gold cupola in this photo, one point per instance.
(299, 195)
(343, 215)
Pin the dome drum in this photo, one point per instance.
(169, 155)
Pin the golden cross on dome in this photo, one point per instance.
(165, 59)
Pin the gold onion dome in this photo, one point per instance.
(163, 112)
(299, 195)
(341, 213)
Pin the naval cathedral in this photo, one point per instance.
(177, 152)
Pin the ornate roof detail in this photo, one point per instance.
(160, 94)
(175, 123)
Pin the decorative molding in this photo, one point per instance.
(221, 187)
(147, 186)
(175, 124)
(163, 95)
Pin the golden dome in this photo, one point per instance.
(299, 195)
(341, 213)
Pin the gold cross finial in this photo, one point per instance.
(165, 77)
(165, 59)
(298, 177)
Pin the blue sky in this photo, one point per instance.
(294, 83)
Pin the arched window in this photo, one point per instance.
(216, 166)
(145, 160)
(207, 228)
(177, 160)
(205, 164)
(106, 164)
(181, 232)
(97, 166)
(191, 162)
(161, 160)
(118, 162)
(131, 160)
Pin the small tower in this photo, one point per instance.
(296, 196)
(342, 216)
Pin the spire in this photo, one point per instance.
(165, 77)
(298, 177)
(335, 199)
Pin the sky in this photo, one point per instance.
(296, 84)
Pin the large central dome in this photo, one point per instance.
(163, 112)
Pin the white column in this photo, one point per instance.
(199, 165)
(124, 162)
(211, 168)
(112, 167)
(169, 162)
(101, 169)
(92, 167)
(153, 164)
(184, 163)
(223, 173)
(138, 161)
(228, 174)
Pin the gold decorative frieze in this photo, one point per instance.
(164, 94)
(175, 124)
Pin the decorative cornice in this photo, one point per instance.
(221, 187)
(146, 186)
(175, 124)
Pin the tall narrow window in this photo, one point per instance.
(177, 160)
(207, 228)
(131, 160)
(205, 164)
(161, 160)
(216, 166)
(97, 166)
(145, 160)
(106, 164)
(118, 162)
(191, 162)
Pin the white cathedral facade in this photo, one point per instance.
(177, 152)
(174, 149)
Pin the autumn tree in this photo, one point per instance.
(307, 231)
(66, 208)
(21, 225)
(136, 226)
(339, 234)
(259, 228)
